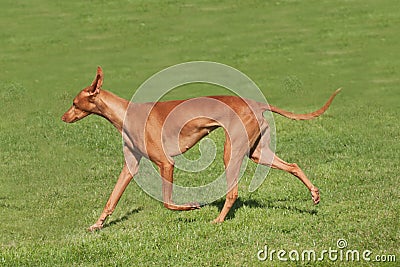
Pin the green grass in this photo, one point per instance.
(55, 178)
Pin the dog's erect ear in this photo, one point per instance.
(97, 83)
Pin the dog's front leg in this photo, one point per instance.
(124, 178)
(167, 171)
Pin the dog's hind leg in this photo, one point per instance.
(232, 160)
(263, 155)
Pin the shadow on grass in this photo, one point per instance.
(251, 203)
(123, 218)
(271, 204)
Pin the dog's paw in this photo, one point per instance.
(183, 207)
(217, 220)
(315, 195)
(95, 227)
(190, 206)
(193, 205)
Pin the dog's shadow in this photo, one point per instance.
(250, 203)
(269, 204)
(123, 218)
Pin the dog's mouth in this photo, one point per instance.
(72, 116)
(66, 119)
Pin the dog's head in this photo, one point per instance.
(84, 103)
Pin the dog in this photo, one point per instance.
(149, 132)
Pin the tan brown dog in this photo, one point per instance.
(149, 133)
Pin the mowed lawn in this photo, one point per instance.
(55, 178)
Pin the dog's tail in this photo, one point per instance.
(307, 116)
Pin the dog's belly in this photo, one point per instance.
(192, 132)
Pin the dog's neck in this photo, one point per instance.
(112, 107)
